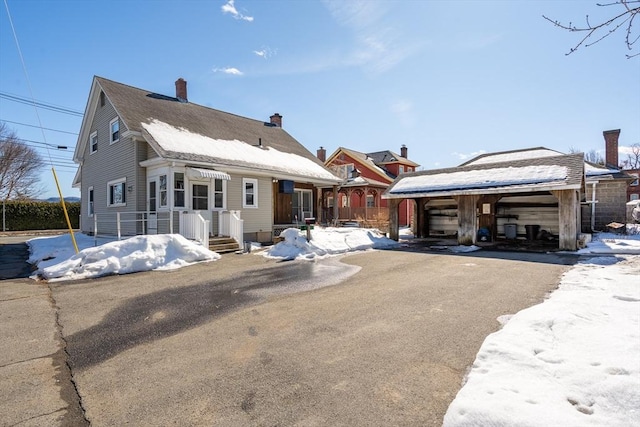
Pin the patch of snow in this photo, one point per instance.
(326, 242)
(139, 253)
(590, 170)
(518, 155)
(573, 360)
(611, 243)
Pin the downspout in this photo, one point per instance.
(593, 206)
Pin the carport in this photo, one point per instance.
(497, 198)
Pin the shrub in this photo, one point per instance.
(25, 215)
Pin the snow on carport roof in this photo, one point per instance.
(538, 174)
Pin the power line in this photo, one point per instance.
(43, 105)
(59, 147)
(36, 126)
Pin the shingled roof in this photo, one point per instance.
(518, 176)
(138, 108)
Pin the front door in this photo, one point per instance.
(302, 205)
(200, 202)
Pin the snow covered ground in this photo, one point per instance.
(573, 360)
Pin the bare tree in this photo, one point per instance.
(594, 157)
(604, 28)
(633, 159)
(19, 167)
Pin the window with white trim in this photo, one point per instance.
(401, 168)
(178, 189)
(249, 193)
(634, 183)
(163, 190)
(116, 191)
(93, 142)
(90, 201)
(114, 130)
(218, 194)
(633, 196)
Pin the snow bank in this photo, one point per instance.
(140, 253)
(573, 360)
(611, 243)
(327, 241)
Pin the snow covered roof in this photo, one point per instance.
(510, 156)
(387, 156)
(227, 138)
(361, 180)
(519, 176)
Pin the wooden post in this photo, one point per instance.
(419, 217)
(568, 219)
(335, 205)
(394, 219)
(467, 219)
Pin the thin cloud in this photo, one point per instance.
(265, 53)
(379, 42)
(228, 70)
(466, 156)
(404, 111)
(230, 8)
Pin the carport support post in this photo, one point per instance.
(335, 205)
(394, 219)
(419, 216)
(467, 219)
(568, 219)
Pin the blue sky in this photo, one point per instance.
(449, 79)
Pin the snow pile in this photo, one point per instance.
(573, 360)
(611, 243)
(327, 241)
(140, 253)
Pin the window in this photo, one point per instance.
(371, 203)
(409, 169)
(93, 142)
(344, 171)
(90, 201)
(401, 168)
(634, 183)
(249, 193)
(102, 101)
(178, 190)
(218, 194)
(330, 201)
(200, 197)
(114, 130)
(633, 196)
(163, 190)
(116, 192)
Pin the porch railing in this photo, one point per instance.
(131, 223)
(231, 225)
(194, 226)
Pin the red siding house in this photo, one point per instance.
(366, 176)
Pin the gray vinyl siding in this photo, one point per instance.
(110, 162)
(255, 220)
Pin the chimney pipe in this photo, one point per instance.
(403, 151)
(322, 154)
(276, 120)
(611, 147)
(181, 89)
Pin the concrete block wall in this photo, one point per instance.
(611, 206)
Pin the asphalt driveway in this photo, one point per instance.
(380, 338)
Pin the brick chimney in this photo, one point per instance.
(403, 151)
(181, 89)
(611, 147)
(322, 154)
(276, 119)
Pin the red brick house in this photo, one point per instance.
(366, 176)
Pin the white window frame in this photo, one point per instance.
(91, 201)
(246, 181)
(370, 198)
(177, 190)
(401, 168)
(93, 136)
(111, 123)
(634, 196)
(163, 192)
(214, 192)
(116, 182)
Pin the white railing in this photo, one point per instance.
(231, 225)
(194, 226)
(132, 223)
